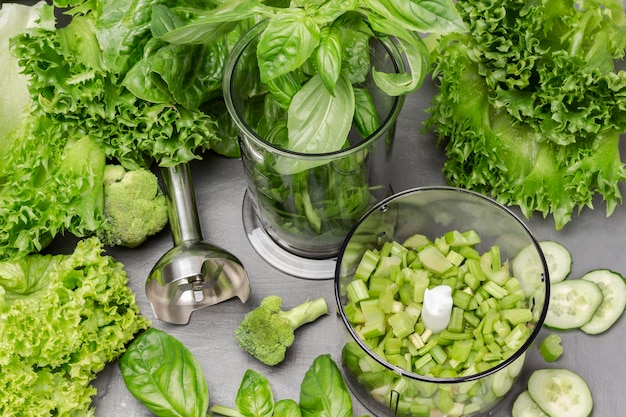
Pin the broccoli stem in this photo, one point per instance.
(305, 313)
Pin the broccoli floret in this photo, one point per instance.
(134, 206)
(267, 331)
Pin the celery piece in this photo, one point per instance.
(516, 316)
(444, 401)
(476, 270)
(423, 361)
(441, 245)
(393, 345)
(420, 282)
(438, 354)
(495, 289)
(354, 313)
(434, 260)
(460, 349)
(471, 319)
(455, 258)
(468, 252)
(397, 249)
(385, 265)
(368, 264)
(416, 341)
(377, 284)
(455, 238)
(372, 329)
(386, 297)
(357, 291)
(402, 324)
(550, 348)
(457, 322)
(461, 299)
(371, 310)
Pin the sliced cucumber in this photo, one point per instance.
(527, 267)
(572, 303)
(525, 406)
(613, 289)
(560, 393)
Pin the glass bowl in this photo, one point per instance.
(393, 374)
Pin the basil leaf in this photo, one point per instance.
(323, 391)
(328, 56)
(216, 24)
(417, 58)
(255, 397)
(164, 375)
(286, 43)
(366, 119)
(430, 16)
(287, 408)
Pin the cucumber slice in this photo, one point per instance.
(572, 303)
(527, 267)
(613, 289)
(558, 258)
(525, 406)
(560, 393)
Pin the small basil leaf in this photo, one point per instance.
(164, 375)
(287, 408)
(286, 43)
(328, 56)
(323, 391)
(255, 397)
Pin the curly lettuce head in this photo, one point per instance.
(62, 319)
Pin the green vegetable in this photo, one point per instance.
(550, 348)
(525, 406)
(560, 393)
(306, 83)
(165, 376)
(530, 107)
(255, 398)
(573, 303)
(267, 331)
(62, 319)
(14, 96)
(92, 88)
(613, 288)
(134, 207)
(490, 320)
(322, 392)
(527, 267)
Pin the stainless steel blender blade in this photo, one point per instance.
(193, 274)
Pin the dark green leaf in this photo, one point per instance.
(255, 397)
(164, 375)
(206, 29)
(323, 391)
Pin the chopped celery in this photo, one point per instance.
(488, 323)
(368, 264)
(434, 260)
(550, 348)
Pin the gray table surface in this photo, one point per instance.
(594, 240)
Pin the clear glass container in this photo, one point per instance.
(306, 203)
(389, 390)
